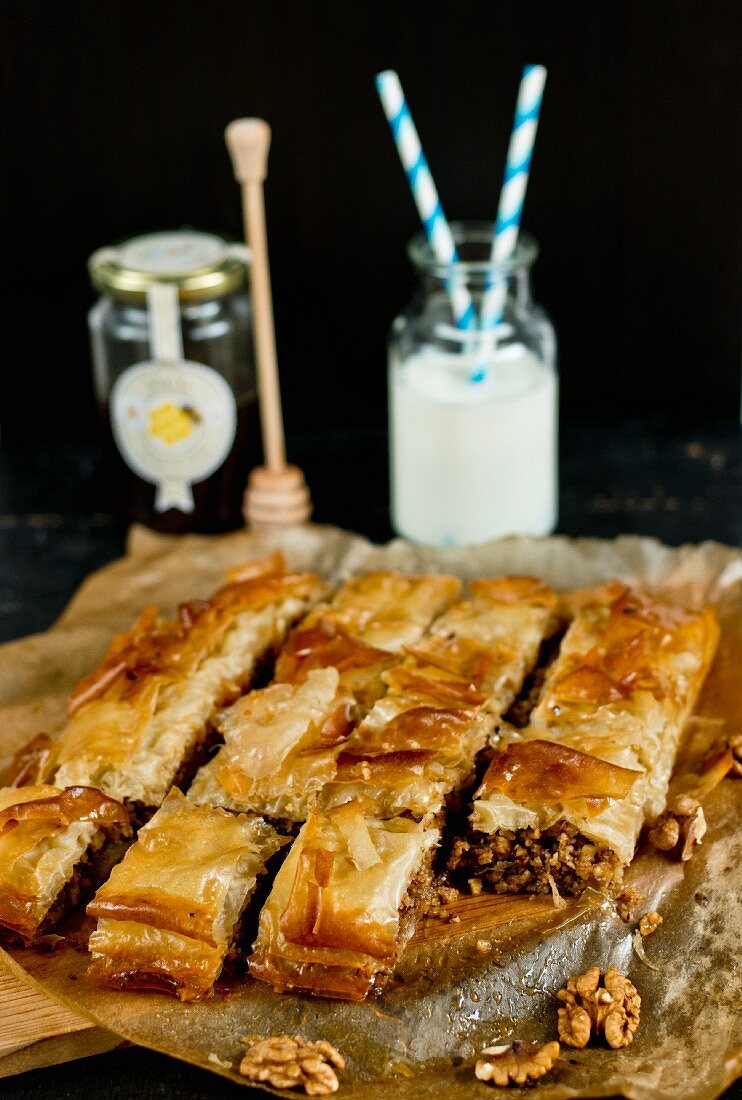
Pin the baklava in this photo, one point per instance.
(139, 723)
(417, 747)
(281, 744)
(563, 801)
(343, 903)
(56, 846)
(171, 911)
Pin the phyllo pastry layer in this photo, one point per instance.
(362, 632)
(171, 910)
(56, 845)
(138, 721)
(280, 748)
(562, 805)
(343, 903)
(321, 643)
(629, 672)
(281, 744)
(419, 743)
(390, 610)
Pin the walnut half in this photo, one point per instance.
(516, 1063)
(612, 1008)
(287, 1063)
(735, 744)
(682, 823)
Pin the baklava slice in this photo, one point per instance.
(171, 911)
(391, 610)
(416, 750)
(280, 748)
(561, 807)
(281, 744)
(343, 903)
(629, 672)
(56, 846)
(363, 631)
(139, 723)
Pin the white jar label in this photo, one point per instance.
(174, 425)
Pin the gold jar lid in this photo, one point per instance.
(202, 265)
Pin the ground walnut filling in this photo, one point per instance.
(512, 861)
(421, 897)
(104, 853)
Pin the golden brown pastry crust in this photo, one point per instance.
(332, 922)
(419, 744)
(169, 912)
(596, 760)
(45, 834)
(138, 718)
(282, 744)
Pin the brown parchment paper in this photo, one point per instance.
(447, 998)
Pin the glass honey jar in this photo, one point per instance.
(174, 378)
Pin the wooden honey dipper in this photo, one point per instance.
(276, 494)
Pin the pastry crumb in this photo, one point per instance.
(650, 922)
(217, 1061)
(484, 947)
(628, 902)
(727, 745)
(590, 1007)
(287, 1063)
(516, 1063)
(556, 897)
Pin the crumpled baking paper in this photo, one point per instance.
(493, 974)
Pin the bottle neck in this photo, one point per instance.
(516, 282)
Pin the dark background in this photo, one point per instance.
(113, 116)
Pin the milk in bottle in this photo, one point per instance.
(472, 414)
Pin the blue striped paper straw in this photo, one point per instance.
(514, 186)
(424, 191)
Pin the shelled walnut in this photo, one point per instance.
(287, 1063)
(612, 1008)
(682, 823)
(736, 747)
(516, 1063)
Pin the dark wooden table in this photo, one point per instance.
(678, 484)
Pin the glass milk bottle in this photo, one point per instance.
(473, 414)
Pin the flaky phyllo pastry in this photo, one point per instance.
(281, 744)
(170, 913)
(415, 748)
(563, 801)
(138, 721)
(340, 906)
(397, 715)
(419, 743)
(55, 846)
(137, 724)
(280, 748)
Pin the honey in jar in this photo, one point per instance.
(175, 378)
